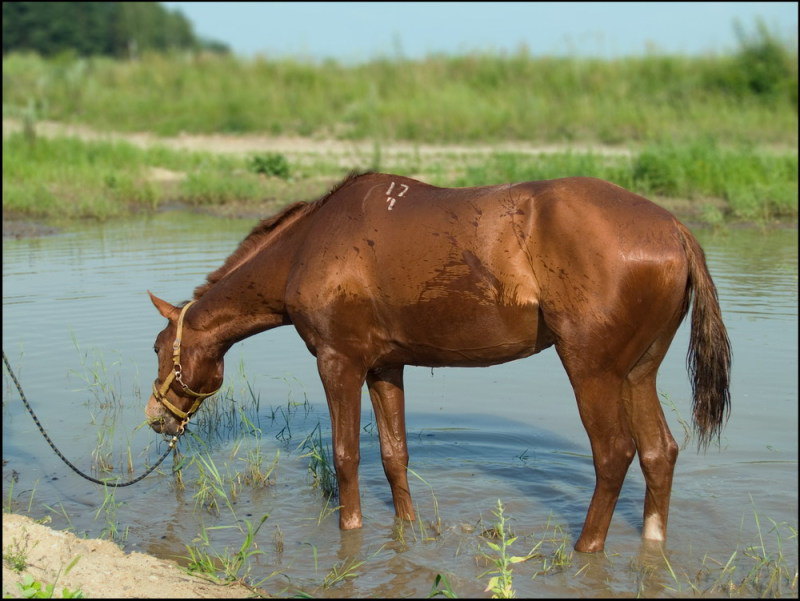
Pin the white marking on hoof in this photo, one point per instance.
(652, 528)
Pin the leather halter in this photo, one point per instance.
(176, 374)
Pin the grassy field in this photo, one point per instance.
(717, 131)
(68, 177)
(747, 97)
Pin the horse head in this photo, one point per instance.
(186, 368)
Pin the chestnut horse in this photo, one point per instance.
(386, 271)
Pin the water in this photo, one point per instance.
(78, 328)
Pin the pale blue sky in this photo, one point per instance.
(358, 31)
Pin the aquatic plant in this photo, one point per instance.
(501, 582)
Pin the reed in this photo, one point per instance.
(749, 95)
(67, 177)
(754, 569)
(442, 588)
(60, 510)
(109, 508)
(345, 569)
(436, 523)
(227, 565)
(751, 185)
(320, 464)
(763, 567)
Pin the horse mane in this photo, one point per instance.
(258, 236)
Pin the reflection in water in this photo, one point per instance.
(78, 328)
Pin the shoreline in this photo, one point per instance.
(100, 568)
(23, 226)
(320, 164)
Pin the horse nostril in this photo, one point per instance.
(157, 424)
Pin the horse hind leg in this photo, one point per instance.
(657, 449)
(388, 400)
(599, 395)
(601, 409)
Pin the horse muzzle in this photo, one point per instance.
(161, 420)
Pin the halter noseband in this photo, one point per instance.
(176, 374)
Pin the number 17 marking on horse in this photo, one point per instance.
(392, 200)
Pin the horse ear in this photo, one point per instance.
(169, 311)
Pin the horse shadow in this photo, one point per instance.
(538, 463)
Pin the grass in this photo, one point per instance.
(102, 179)
(760, 567)
(9, 503)
(320, 464)
(686, 426)
(747, 96)
(15, 555)
(718, 130)
(757, 569)
(752, 185)
(341, 571)
(225, 566)
(501, 582)
(435, 524)
(67, 177)
(30, 588)
(442, 587)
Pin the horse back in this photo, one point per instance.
(459, 276)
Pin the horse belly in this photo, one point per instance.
(439, 334)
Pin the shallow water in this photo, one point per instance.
(78, 329)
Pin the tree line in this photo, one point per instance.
(118, 29)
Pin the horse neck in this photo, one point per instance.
(250, 299)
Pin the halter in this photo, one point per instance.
(176, 374)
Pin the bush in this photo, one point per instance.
(764, 67)
(270, 163)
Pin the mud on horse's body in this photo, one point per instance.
(386, 271)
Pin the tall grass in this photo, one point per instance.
(67, 177)
(748, 96)
(753, 185)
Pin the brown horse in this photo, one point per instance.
(386, 271)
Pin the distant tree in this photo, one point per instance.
(107, 28)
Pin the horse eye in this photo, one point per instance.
(155, 350)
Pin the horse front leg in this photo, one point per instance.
(342, 379)
(388, 401)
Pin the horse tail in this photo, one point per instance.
(709, 357)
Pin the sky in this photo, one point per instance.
(354, 32)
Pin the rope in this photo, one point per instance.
(171, 446)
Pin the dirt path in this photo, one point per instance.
(102, 569)
(249, 143)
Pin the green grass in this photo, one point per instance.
(320, 463)
(30, 588)
(748, 96)
(717, 130)
(504, 560)
(69, 178)
(501, 582)
(753, 185)
(15, 555)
